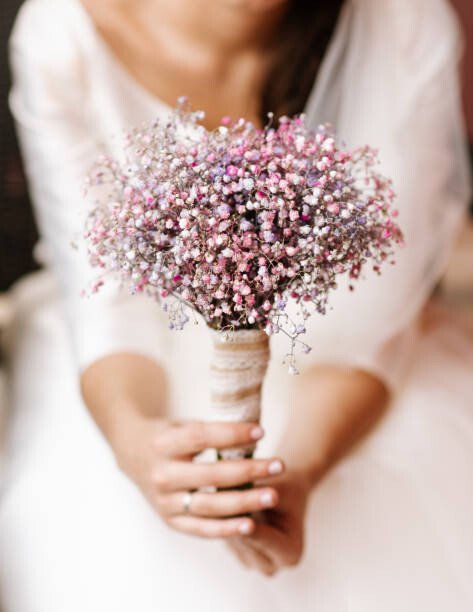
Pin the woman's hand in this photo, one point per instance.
(126, 395)
(158, 456)
(334, 407)
(278, 538)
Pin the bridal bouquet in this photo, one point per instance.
(238, 224)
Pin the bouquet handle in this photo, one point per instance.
(238, 366)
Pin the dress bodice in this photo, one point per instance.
(379, 84)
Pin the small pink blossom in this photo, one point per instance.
(238, 221)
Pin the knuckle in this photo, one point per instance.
(215, 477)
(160, 479)
(162, 436)
(161, 505)
(238, 433)
(203, 503)
(208, 529)
(198, 435)
(171, 521)
(234, 503)
(256, 469)
(159, 443)
(246, 502)
(226, 529)
(180, 523)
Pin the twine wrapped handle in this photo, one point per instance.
(238, 366)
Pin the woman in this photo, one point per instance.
(369, 506)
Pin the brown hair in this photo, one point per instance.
(307, 30)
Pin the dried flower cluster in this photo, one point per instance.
(235, 222)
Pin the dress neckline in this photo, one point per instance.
(153, 100)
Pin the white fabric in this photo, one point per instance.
(390, 529)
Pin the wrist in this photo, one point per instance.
(121, 390)
(120, 425)
(334, 408)
(307, 471)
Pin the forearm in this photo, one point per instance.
(123, 384)
(333, 408)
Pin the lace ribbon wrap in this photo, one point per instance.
(237, 370)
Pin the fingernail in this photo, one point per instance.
(275, 467)
(244, 528)
(256, 433)
(266, 498)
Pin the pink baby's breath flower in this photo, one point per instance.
(236, 221)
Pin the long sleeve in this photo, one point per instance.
(49, 101)
(391, 81)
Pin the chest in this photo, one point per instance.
(144, 68)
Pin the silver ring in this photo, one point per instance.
(187, 501)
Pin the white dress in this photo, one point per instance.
(390, 529)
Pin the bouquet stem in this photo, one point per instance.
(237, 370)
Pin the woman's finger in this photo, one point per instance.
(282, 549)
(186, 475)
(220, 504)
(211, 528)
(190, 438)
(242, 553)
(252, 558)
